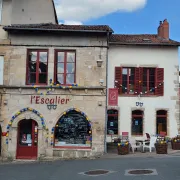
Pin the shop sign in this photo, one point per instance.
(50, 102)
(139, 104)
(113, 97)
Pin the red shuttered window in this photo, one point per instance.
(142, 80)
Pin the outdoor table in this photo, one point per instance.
(142, 142)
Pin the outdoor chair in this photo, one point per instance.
(148, 136)
(150, 145)
(125, 136)
(134, 144)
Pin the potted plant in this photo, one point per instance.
(123, 148)
(175, 143)
(161, 146)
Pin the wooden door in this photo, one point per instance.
(27, 142)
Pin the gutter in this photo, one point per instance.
(142, 44)
(106, 117)
(54, 30)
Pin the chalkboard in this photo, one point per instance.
(73, 128)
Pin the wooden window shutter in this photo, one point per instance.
(159, 91)
(118, 78)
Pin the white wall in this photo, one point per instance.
(166, 58)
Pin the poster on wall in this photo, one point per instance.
(24, 138)
(136, 123)
(29, 141)
(113, 97)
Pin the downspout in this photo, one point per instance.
(106, 117)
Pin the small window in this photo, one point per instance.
(37, 67)
(137, 122)
(148, 83)
(112, 124)
(161, 122)
(128, 80)
(65, 67)
(1, 69)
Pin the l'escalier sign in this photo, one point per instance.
(50, 102)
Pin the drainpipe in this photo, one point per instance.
(105, 130)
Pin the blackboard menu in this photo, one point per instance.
(73, 129)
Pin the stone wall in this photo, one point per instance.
(87, 72)
(91, 102)
(89, 97)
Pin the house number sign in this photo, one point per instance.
(139, 104)
(52, 106)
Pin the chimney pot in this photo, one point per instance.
(163, 30)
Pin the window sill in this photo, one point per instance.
(71, 147)
(135, 95)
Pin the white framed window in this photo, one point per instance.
(0, 10)
(1, 69)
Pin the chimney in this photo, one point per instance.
(163, 30)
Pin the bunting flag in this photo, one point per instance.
(141, 93)
(50, 88)
(19, 113)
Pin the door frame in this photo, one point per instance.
(33, 135)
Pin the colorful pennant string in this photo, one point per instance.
(141, 93)
(50, 88)
(20, 112)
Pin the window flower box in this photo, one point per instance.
(175, 143)
(123, 148)
(161, 147)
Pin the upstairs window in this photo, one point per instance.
(142, 80)
(128, 80)
(37, 67)
(65, 67)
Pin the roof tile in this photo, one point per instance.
(141, 39)
(59, 27)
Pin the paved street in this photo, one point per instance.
(167, 168)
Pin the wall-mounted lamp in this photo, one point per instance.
(99, 62)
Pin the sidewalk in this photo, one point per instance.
(153, 154)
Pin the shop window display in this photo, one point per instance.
(73, 129)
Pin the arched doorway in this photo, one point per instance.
(73, 130)
(0, 138)
(161, 122)
(27, 142)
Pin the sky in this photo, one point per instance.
(123, 16)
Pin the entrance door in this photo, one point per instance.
(27, 140)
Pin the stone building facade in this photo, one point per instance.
(51, 107)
